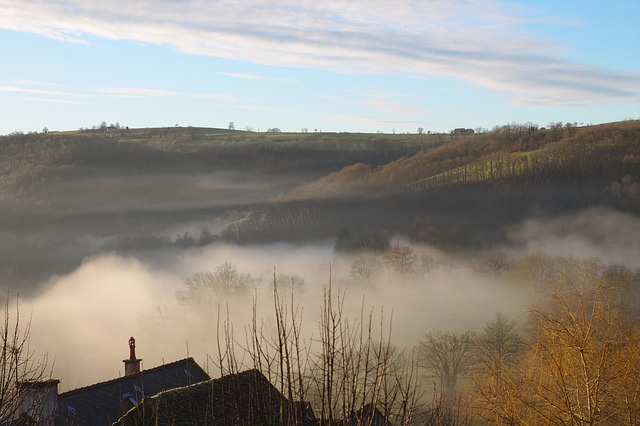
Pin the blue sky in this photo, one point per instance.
(331, 65)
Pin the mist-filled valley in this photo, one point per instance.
(178, 236)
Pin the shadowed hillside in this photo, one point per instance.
(64, 196)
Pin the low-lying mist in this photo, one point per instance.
(83, 319)
(49, 226)
(598, 232)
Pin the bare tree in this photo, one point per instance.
(19, 368)
(350, 373)
(427, 264)
(401, 259)
(365, 269)
(496, 261)
(445, 356)
(289, 285)
(499, 341)
(536, 269)
(202, 288)
(495, 356)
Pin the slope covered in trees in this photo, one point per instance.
(511, 153)
(465, 191)
(66, 195)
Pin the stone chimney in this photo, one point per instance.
(131, 365)
(38, 401)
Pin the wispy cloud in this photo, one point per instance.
(142, 92)
(391, 102)
(376, 120)
(33, 91)
(247, 76)
(51, 101)
(479, 41)
(22, 82)
(243, 76)
(230, 102)
(396, 108)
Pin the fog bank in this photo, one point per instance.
(599, 232)
(84, 319)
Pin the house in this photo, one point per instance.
(245, 398)
(106, 402)
(36, 401)
(462, 131)
(178, 393)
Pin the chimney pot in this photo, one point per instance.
(131, 365)
(132, 348)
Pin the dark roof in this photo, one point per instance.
(245, 398)
(368, 415)
(104, 403)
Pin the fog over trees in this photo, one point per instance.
(487, 278)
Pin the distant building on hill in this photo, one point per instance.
(462, 131)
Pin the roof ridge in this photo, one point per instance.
(250, 372)
(131, 376)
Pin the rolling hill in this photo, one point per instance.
(465, 192)
(64, 196)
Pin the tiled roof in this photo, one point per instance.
(245, 398)
(104, 403)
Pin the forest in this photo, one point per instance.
(487, 278)
(154, 188)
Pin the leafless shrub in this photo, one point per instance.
(349, 372)
(20, 369)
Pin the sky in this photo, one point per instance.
(331, 65)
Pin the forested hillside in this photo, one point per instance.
(511, 153)
(66, 195)
(27, 160)
(464, 192)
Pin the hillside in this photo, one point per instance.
(29, 159)
(64, 196)
(512, 153)
(467, 191)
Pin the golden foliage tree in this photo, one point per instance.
(581, 365)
